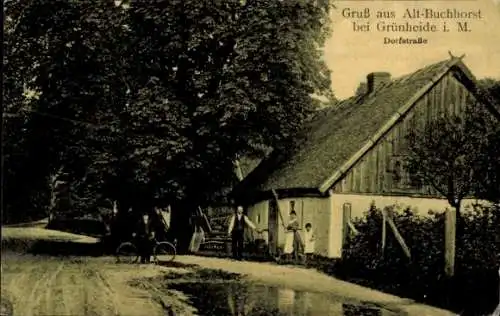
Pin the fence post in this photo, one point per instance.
(384, 229)
(450, 239)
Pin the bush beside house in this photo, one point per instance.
(473, 290)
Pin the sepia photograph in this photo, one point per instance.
(250, 158)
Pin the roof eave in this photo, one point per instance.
(288, 193)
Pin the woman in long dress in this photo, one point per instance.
(292, 237)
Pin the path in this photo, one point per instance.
(80, 286)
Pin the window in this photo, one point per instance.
(292, 206)
(258, 219)
(415, 181)
(396, 172)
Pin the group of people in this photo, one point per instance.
(294, 245)
(153, 226)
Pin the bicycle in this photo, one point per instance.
(127, 252)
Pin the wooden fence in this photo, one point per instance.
(449, 236)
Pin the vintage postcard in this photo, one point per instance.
(250, 157)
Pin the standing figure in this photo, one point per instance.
(293, 242)
(309, 241)
(200, 224)
(145, 233)
(162, 219)
(236, 230)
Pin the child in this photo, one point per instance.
(309, 241)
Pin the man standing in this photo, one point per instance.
(237, 231)
(145, 232)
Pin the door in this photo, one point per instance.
(273, 226)
(346, 218)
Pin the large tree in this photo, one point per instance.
(457, 155)
(58, 78)
(488, 168)
(158, 99)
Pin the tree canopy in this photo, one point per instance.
(139, 99)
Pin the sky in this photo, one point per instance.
(352, 55)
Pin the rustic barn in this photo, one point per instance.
(350, 155)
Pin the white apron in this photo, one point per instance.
(288, 243)
(309, 242)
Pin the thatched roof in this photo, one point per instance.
(248, 164)
(333, 135)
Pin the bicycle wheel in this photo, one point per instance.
(126, 253)
(164, 251)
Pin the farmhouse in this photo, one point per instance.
(351, 155)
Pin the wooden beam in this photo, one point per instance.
(275, 195)
(237, 170)
(205, 221)
(302, 224)
(351, 226)
(398, 236)
(449, 239)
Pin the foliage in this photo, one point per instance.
(423, 277)
(154, 100)
(492, 88)
(488, 167)
(457, 155)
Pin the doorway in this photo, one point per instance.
(273, 226)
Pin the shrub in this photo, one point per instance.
(422, 278)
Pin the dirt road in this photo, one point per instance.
(38, 285)
(44, 285)
(80, 286)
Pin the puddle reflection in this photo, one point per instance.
(245, 299)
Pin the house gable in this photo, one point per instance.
(380, 170)
(339, 139)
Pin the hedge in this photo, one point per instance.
(474, 288)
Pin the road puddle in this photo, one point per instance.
(248, 299)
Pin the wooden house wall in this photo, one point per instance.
(316, 211)
(381, 171)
